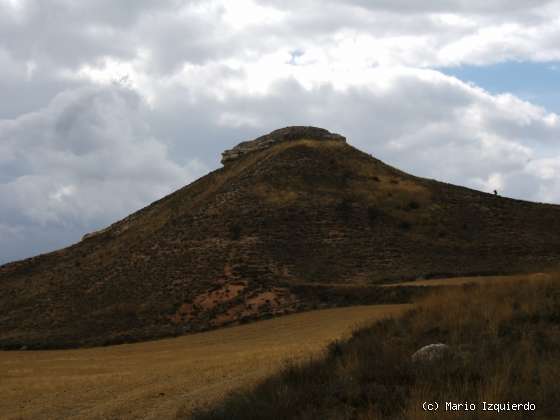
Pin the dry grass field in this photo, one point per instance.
(161, 379)
(461, 281)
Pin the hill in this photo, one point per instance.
(295, 219)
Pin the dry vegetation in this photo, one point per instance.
(505, 338)
(462, 281)
(276, 221)
(158, 379)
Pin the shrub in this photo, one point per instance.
(413, 205)
(372, 214)
(404, 225)
(235, 232)
(344, 209)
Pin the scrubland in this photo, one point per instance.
(505, 347)
(343, 363)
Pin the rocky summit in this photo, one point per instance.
(296, 219)
(279, 136)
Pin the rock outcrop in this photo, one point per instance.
(95, 233)
(431, 353)
(278, 136)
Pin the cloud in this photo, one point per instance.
(162, 36)
(84, 161)
(134, 99)
(420, 120)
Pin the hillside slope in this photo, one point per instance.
(504, 350)
(296, 208)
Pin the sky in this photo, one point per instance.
(107, 106)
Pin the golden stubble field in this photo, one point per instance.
(158, 379)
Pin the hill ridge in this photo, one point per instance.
(266, 235)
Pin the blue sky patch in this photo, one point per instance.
(538, 83)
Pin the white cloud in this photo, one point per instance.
(245, 13)
(160, 37)
(85, 160)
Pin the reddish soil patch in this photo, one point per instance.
(213, 298)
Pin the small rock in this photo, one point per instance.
(431, 353)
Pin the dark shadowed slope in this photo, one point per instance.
(296, 208)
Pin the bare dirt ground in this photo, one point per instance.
(158, 379)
